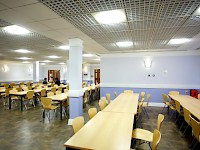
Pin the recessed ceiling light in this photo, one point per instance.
(197, 12)
(42, 64)
(25, 62)
(110, 17)
(64, 47)
(22, 51)
(53, 56)
(62, 63)
(87, 55)
(46, 61)
(179, 41)
(98, 59)
(24, 58)
(14, 29)
(125, 44)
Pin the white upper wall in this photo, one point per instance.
(165, 72)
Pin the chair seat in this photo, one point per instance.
(168, 103)
(142, 134)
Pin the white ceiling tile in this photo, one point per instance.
(37, 12)
(13, 17)
(16, 3)
(57, 23)
(70, 32)
(3, 7)
(52, 34)
(36, 26)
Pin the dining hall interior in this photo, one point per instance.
(100, 74)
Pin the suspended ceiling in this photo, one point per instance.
(150, 25)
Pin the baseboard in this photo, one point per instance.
(155, 104)
(70, 122)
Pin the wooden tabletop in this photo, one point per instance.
(2, 90)
(188, 102)
(106, 131)
(124, 103)
(59, 97)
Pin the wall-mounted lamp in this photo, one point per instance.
(147, 63)
(5, 68)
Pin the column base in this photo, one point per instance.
(75, 107)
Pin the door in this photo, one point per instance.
(97, 76)
(54, 74)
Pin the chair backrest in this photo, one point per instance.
(6, 85)
(58, 92)
(43, 92)
(142, 94)
(77, 123)
(30, 94)
(7, 92)
(53, 89)
(28, 83)
(174, 92)
(60, 89)
(46, 102)
(86, 93)
(148, 99)
(159, 121)
(164, 98)
(102, 104)
(195, 127)
(156, 139)
(199, 96)
(92, 112)
(115, 94)
(139, 110)
(108, 97)
(25, 88)
(39, 87)
(178, 106)
(50, 94)
(186, 115)
(66, 90)
(128, 91)
(19, 89)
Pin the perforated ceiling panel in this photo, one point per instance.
(150, 23)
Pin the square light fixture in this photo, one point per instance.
(22, 51)
(87, 55)
(25, 62)
(147, 63)
(179, 41)
(62, 63)
(64, 47)
(14, 29)
(110, 17)
(46, 61)
(125, 44)
(24, 58)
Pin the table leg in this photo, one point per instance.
(134, 123)
(9, 102)
(21, 104)
(60, 110)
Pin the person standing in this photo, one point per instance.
(45, 81)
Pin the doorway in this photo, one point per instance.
(96, 76)
(54, 74)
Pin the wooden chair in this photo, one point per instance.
(29, 97)
(58, 92)
(66, 90)
(147, 104)
(139, 111)
(53, 89)
(85, 98)
(156, 139)
(25, 88)
(142, 95)
(102, 104)
(19, 89)
(195, 130)
(108, 98)
(52, 94)
(77, 123)
(115, 94)
(146, 135)
(186, 114)
(167, 103)
(92, 112)
(179, 109)
(47, 105)
(60, 89)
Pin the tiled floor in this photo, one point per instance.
(25, 131)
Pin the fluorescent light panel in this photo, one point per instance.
(46, 61)
(179, 41)
(64, 47)
(22, 51)
(53, 56)
(14, 29)
(87, 55)
(62, 63)
(110, 17)
(25, 62)
(24, 58)
(125, 44)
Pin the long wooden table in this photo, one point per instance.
(105, 131)
(110, 129)
(60, 98)
(124, 103)
(188, 102)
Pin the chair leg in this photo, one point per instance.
(177, 118)
(146, 112)
(181, 125)
(186, 129)
(192, 142)
(163, 109)
(195, 145)
(150, 145)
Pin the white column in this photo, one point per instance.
(75, 78)
(36, 73)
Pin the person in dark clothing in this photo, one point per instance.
(45, 81)
(57, 81)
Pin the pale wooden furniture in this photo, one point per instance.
(147, 104)
(29, 97)
(199, 96)
(59, 98)
(115, 94)
(195, 130)
(108, 97)
(102, 104)
(58, 92)
(186, 114)
(190, 103)
(156, 139)
(106, 131)
(167, 103)
(92, 112)
(142, 95)
(146, 135)
(178, 109)
(77, 123)
(124, 103)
